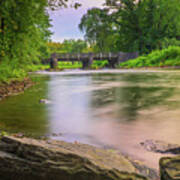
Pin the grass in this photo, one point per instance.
(159, 58)
(10, 71)
(68, 65)
(76, 65)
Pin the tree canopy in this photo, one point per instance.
(24, 33)
(133, 25)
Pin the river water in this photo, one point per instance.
(114, 109)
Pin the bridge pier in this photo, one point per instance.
(87, 62)
(112, 63)
(53, 62)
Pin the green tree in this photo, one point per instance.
(24, 33)
(68, 46)
(144, 24)
(24, 29)
(131, 25)
(98, 30)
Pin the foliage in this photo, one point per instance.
(98, 31)
(67, 65)
(3, 133)
(131, 25)
(145, 24)
(159, 58)
(56, 4)
(69, 46)
(23, 35)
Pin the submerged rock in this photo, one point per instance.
(170, 168)
(27, 159)
(161, 147)
(44, 101)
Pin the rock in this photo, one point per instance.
(170, 168)
(19, 135)
(44, 101)
(56, 134)
(161, 147)
(27, 159)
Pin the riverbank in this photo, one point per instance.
(14, 87)
(165, 58)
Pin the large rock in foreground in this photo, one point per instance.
(28, 159)
(170, 168)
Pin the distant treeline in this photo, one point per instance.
(69, 46)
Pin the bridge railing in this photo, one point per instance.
(81, 56)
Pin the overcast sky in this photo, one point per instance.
(65, 22)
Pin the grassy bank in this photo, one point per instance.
(159, 58)
(11, 71)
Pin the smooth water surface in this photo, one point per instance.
(117, 110)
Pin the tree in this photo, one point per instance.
(131, 25)
(24, 30)
(98, 29)
(144, 24)
(24, 33)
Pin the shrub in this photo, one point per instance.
(166, 57)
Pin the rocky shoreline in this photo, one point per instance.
(26, 158)
(14, 87)
(44, 159)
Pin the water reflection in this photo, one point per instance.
(69, 112)
(130, 97)
(23, 113)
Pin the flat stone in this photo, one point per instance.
(160, 147)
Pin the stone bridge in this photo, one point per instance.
(87, 58)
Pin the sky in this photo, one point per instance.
(65, 21)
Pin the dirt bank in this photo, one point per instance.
(14, 88)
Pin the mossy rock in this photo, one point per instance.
(27, 159)
(170, 168)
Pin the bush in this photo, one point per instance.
(9, 72)
(166, 57)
